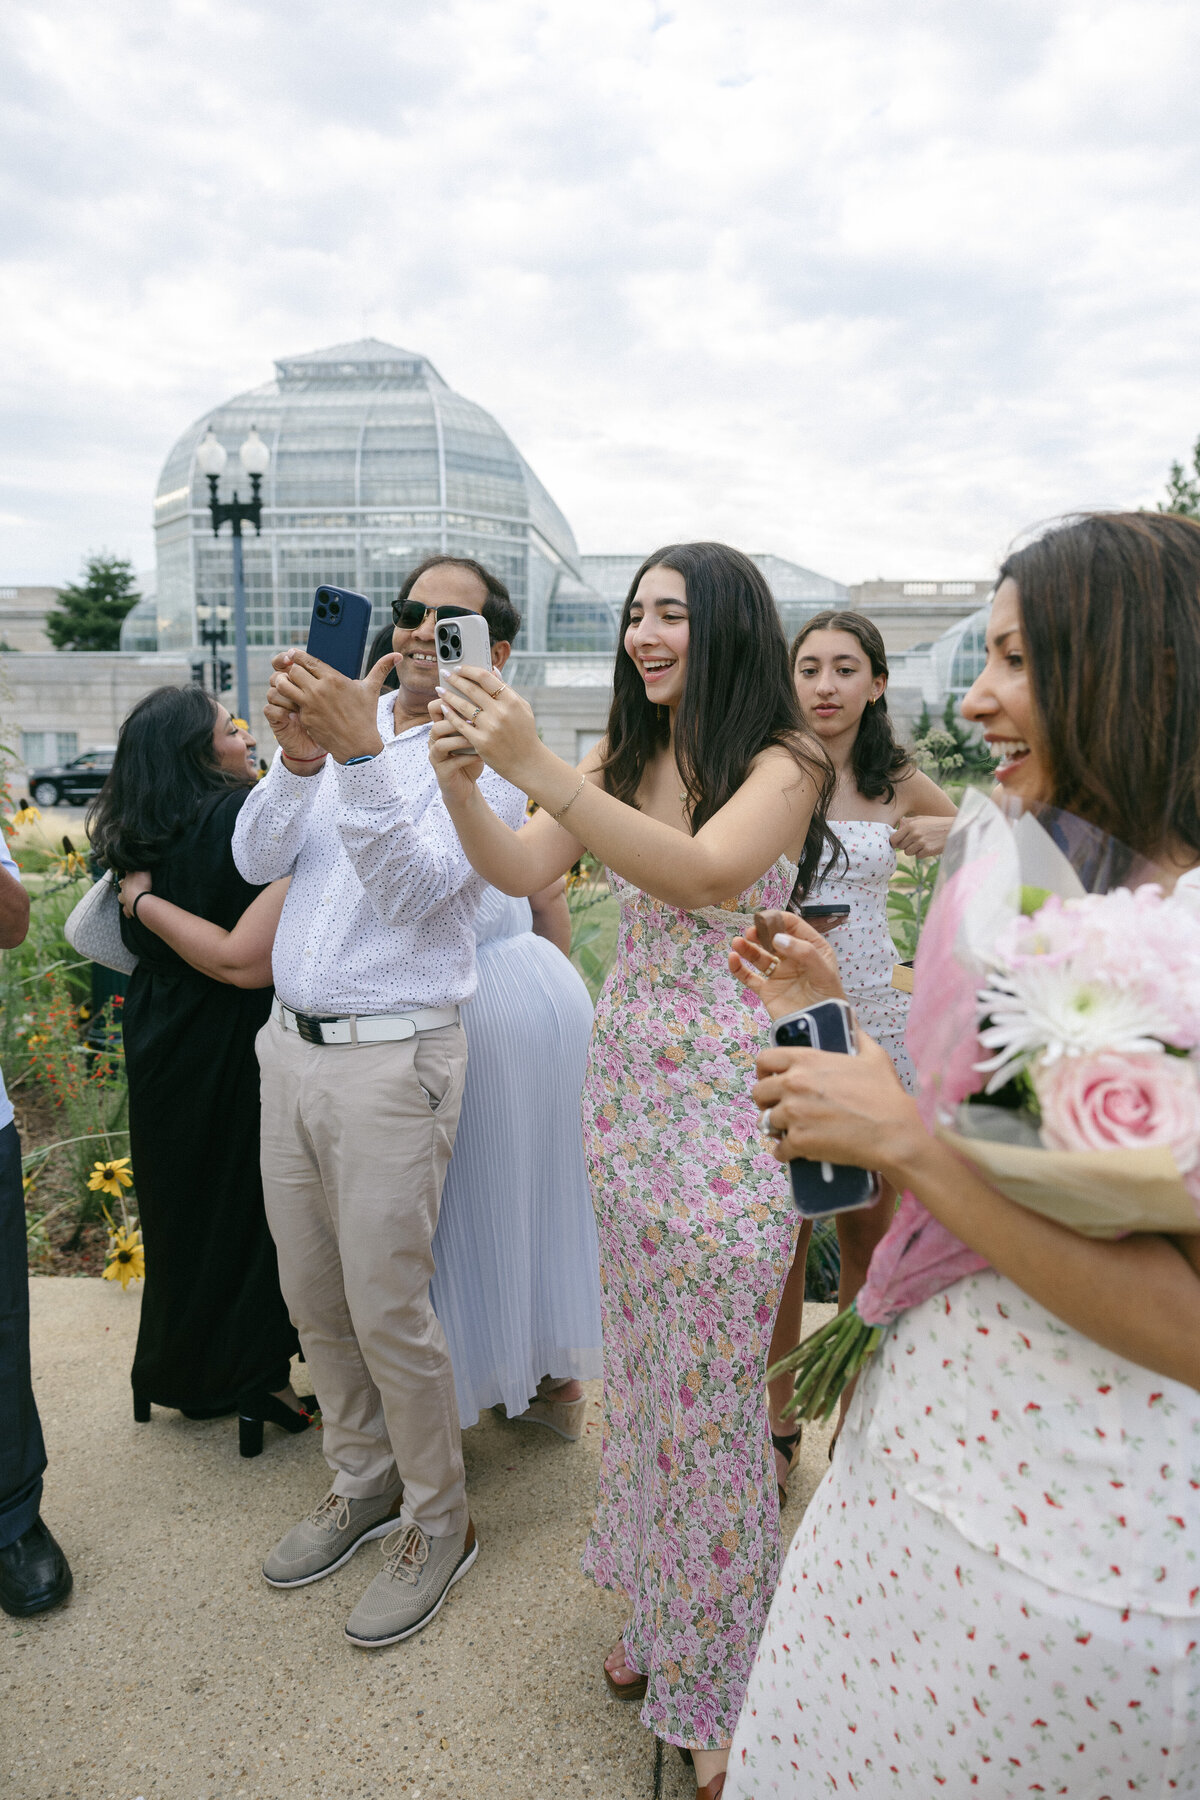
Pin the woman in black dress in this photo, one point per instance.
(215, 1336)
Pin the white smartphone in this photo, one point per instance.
(462, 638)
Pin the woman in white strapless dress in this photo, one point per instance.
(840, 669)
(517, 1283)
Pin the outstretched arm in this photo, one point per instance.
(767, 817)
(240, 958)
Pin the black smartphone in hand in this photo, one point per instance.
(821, 1188)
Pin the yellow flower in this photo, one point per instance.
(26, 815)
(110, 1177)
(126, 1258)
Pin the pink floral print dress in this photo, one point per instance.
(995, 1591)
(696, 1227)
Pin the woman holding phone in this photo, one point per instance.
(703, 801)
(994, 1591)
(840, 669)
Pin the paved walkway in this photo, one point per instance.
(175, 1673)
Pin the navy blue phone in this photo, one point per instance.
(822, 1188)
(337, 631)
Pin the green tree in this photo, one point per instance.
(88, 614)
(1183, 490)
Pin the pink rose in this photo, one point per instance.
(1132, 1102)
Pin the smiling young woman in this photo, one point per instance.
(995, 1586)
(703, 801)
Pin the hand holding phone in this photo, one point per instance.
(820, 1188)
(337, 631)
(462, 639)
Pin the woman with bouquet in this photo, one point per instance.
(839, 667)
(996, 1590)
(702, 802)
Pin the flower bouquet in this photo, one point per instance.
(1055, 1031)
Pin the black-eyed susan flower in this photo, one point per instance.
(26, 815)
(111, 1176)
(126, 1258)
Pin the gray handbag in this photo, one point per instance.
(93, 927)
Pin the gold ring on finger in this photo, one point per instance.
(770, 968)
(475, 714)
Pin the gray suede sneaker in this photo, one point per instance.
(418, 1573)
(329, 1536)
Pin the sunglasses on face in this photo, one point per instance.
(407, 615)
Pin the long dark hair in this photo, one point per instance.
(738, 697)
(162, 773)
(1110, 615)
(877, 761)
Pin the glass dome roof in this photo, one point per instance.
(375, 463)
(959, 654)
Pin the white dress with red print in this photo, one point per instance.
(996, 1589)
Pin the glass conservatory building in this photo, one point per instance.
(375, 463)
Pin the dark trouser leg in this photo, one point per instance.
(22, 1452)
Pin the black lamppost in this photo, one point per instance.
(255, 459)
(214, 623)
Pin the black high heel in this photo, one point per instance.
(787, 1443)
(265, 1408)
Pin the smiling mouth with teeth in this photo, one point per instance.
(1010, 751)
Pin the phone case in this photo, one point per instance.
(819, 1189)
(337, 631)
(461, 639)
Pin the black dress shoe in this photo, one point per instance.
(34, 1573)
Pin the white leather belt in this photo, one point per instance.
(369, 1028)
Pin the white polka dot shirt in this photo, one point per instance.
(380, 916)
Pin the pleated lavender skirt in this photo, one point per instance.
(517, 1262)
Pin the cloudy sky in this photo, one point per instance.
(872, 286)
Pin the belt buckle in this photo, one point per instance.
(309, 1027)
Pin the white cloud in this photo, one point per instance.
(871, 287)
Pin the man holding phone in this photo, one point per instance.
(362, 1063)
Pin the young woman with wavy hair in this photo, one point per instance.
(704, 801)
(995, 1591)
(880, 799)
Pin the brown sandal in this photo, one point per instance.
(624, 1690)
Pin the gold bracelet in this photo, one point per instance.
(570, 803)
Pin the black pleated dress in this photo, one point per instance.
(214, 1327)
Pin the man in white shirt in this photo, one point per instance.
(34, 1574)
(362, 1064)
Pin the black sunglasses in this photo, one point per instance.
(408, 614)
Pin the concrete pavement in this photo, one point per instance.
(175, 1673)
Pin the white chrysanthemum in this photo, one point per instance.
(1051, 1009)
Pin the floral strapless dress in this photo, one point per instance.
(696, 1229)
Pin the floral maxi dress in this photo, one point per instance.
(696, 1228)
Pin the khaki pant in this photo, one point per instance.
(356, 1140)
